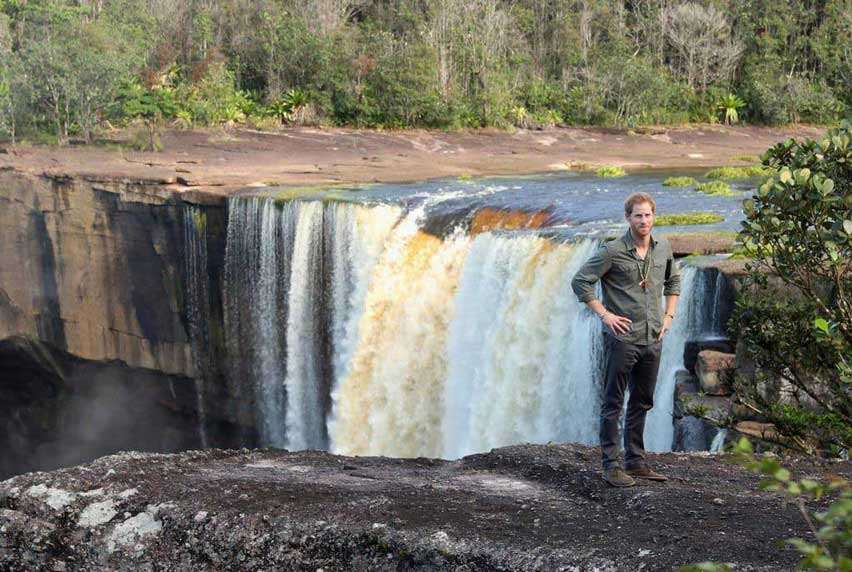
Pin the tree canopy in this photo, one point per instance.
(442, 63)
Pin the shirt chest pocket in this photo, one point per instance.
(658, 271)
(625, 270)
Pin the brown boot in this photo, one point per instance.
(617, 477)
(645, 472)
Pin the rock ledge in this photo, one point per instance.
(526, 507)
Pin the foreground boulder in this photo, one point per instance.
(529, 507)
(714, 370)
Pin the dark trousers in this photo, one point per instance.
(634, 367)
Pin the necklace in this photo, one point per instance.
(643, 271)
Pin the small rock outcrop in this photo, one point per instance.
(526, 507)
(714, 370)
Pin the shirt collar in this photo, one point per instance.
(631, 246)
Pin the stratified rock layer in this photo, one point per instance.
(517, 508)
(94, 268)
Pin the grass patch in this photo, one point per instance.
(716, 188)
(746, 158)
(682, 219)
(332, 192)
(737, 172)
(679, 182)
(609, 171)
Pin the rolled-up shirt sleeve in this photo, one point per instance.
(671, 286)
(584, 281)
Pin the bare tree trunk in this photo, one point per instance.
(585, 31)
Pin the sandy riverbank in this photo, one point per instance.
(222, 161)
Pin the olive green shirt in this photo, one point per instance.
(619, 269)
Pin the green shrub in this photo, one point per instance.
(146, 138)
(683, 219)
(737, 172)
(627, 89)
(799, 227)
(215, 99)
(679, 182)
(610, 171)
(717, 188)
(731, 104)
(584, 105)
(777, 98)
(831, 529)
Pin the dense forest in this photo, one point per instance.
(70, 67)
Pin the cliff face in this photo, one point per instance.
(92, 311)
(95, 269)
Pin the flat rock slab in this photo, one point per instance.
(702, 243)
(306, 155)
(526, 507)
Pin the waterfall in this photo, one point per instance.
(286, 264)
(305, 413)
(520, 348)
(258, 255)
(198, 306)
(659, 430)
(390, 400)
(717, 313)
(360, 332)
(718, 444)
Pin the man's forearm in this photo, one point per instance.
(671, 305)
(597, 307)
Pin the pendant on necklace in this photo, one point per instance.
(642, 284)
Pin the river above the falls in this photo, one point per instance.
(568, 203)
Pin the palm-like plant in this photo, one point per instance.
(295, 99)
(730, 104)
(288, 106)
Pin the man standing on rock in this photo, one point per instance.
(635, 271)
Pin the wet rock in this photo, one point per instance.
(686, 384)
(714, 407)
(692, 434)
(96, 261)
(714, 370)
(757, 429)
(693, 347)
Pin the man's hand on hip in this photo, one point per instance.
(667, 325)
(618, 324)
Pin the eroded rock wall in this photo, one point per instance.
(94, 268)
(95, 348)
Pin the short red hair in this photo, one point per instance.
(637, 199)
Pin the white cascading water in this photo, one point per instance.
(659, 430)
(305, 415)
(275, 272)
(388, 340)
(389, 401)
(358, 238)
(520, 348)
(718, 444)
